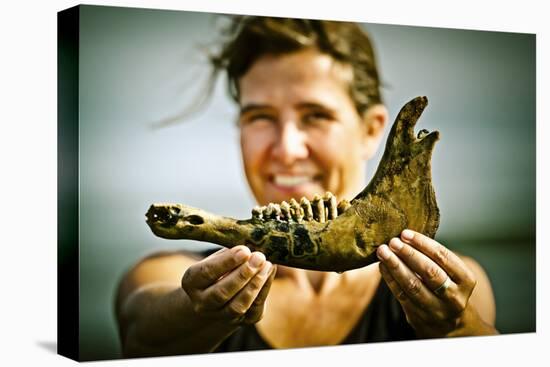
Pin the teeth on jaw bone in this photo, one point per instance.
(272, 208)
(257, 212)
(297, 212)
(320, 209)
(268, 209)
(276, 211)
(306, 207)
(343, 206)
(330, 205)
(285, 211)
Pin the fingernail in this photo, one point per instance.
(266, 269)
(256, 260)
(241, 254)
(383, 252)
(396, 244)
(407, 234)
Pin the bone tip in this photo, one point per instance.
(423, 102)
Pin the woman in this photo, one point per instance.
(311, 115)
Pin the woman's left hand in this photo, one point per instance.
(432, 283)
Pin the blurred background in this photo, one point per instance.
(140, 66)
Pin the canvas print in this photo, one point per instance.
(241, 182)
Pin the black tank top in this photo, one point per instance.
(383, 320)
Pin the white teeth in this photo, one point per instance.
(289, 181)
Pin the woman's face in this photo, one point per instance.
(299, 130)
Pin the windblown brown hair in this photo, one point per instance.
(246, 38)
(250, 37)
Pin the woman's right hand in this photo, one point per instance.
(230, 285)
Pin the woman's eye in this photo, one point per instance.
(316, 117)
(259, 118)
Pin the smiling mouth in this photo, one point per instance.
(293, 181)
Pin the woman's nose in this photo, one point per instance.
(290, 145)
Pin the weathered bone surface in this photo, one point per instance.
(321, 234)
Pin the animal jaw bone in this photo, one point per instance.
(323, 235)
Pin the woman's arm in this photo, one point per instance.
(173, 304)
(158, 320)
(480, 313)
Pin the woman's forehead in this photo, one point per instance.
(301, 66)
(300, 77)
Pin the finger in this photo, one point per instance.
(406, 279)
(240, 304)
(220, 251)
(451, 263)
(431, 273)
(221, 292)
(209, 270)
(409, 307)
(256, 310)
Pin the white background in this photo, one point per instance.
(28, 181)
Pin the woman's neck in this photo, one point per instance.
(322, 282)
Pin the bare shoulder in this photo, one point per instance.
(162, 266)
(482, 296)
